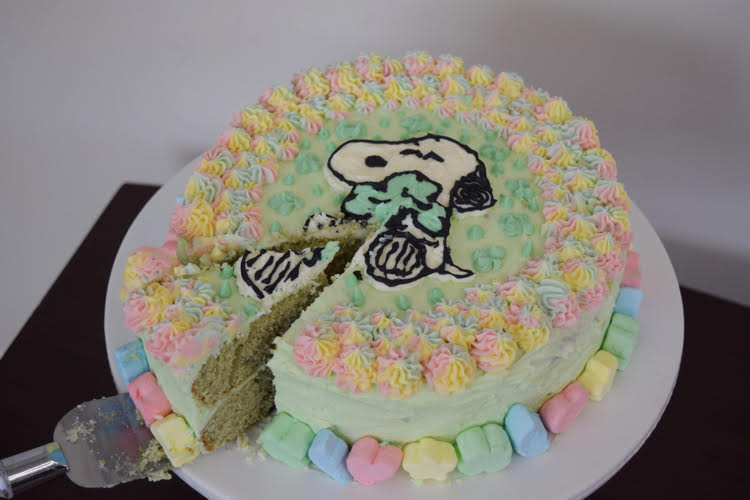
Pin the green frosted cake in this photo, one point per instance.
(392, 248)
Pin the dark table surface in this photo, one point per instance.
(699, 449)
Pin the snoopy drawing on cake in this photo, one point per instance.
(412, 187)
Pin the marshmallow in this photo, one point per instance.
(429, 458)
(620, 338)
(371, 463)
(483, 449)
(149, 398)
(599, 374)
(176, 438)
(287, 440)
(632, 275)
(526, 431)
(329, 453)
(131, 361)
(560, 410)
(629, 301)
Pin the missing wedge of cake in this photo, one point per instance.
(400, 250)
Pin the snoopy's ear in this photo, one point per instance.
(473, 192)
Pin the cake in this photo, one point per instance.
(399, 251)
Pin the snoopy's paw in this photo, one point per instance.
(395, 258)
(455, 271)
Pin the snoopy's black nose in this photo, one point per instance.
(375, 161)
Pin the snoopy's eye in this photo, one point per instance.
(375, 161)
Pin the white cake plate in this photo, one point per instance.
(581, 459)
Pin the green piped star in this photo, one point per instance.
(527, 249)
(306, 163)
(283, 203)
(485, 261)
(403, 302)
(435, 296)
(475, 233)
(416, 125)
(226, 271)
(225, 290)
(350, 130)
(251, 309)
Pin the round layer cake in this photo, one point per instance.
(435, 244)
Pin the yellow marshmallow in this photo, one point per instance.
(176, 438)
(429, 459)
(599, 374)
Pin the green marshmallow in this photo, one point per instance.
(625, 322)
(483, 449)
(620, 338)
(287, 440)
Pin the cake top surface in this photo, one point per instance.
(489, 214)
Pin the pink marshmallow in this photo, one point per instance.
(632, 260)
(560, 410)
(370, 463)
(632, 275)
(149, 398)
(632, 279)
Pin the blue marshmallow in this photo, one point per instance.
(629, 301)
(329, 452)
(526, 431)
(131, 361)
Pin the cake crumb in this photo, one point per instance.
(152, 454)
(250, 442)
(162, 475)
(80, 430)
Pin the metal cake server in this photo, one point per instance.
(98, 444)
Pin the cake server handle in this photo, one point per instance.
(21, 472)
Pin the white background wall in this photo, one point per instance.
(93, 94)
